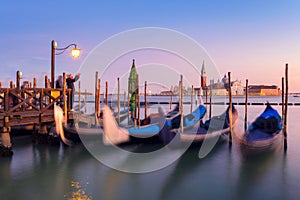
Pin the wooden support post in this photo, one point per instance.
(282, 98)
(206, 95)
(96, 93)
(0, 84)
(65, 98)
(99, 97)
(124, 100)
(230, 109)
(11, 84)
(85, 100)
(119, 103)
(79, 96)
(106, 93)
(210, 98)
(34, 82)
(171, 98)
(138, 102)
(46, 81)
(18, 79)
(145, 100)
(192, 98)
(286, 107)
(5, 142)
(181, 102)
(246, 106)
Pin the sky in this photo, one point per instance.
(251, 39)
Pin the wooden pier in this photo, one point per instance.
(29, 106)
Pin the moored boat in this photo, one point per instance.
(263, 135)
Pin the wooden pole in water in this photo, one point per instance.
(286, 106)
(246, 106)
(181, 103)
(206, 97)
(124, 100)
(65, 97)
(79, 96)
(106, 93)
(230, 109)
(171, 98)
(34, 82)
(119, 103)
(138, 102)
(96, 93)
(210, 98)
(0, 84)
(192, 95)
(85, 100)
(282, 98)
(145, 100)
(99, 96)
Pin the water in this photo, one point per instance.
(59, 172)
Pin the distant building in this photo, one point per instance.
(221, 88)
(264, 90)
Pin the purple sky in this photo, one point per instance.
(252, 39)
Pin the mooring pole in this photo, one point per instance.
(246, 106)
(286, 106)
(65, 97)
(106, 93)
(138, 102)
(119, 104)
(210, 98)
(282, 98)
(230, 109)
(96, 94)
(145, 100)
(181, 103)
(79, 96)
(192, 95)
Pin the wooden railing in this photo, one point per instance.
(29, 105)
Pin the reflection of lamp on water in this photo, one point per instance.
(75, 52)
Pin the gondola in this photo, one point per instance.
(263, 135)
(153, 133)
(217, 128)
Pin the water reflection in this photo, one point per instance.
(254, 171)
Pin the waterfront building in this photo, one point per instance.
(264, 90)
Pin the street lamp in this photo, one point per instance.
(75, 52)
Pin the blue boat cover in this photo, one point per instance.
(225, 116)
(195, 116)
(269, 121)
(149, 129)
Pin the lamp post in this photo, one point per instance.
(75, 52)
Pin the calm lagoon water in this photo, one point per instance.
(60, 172)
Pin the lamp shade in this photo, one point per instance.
(75, 52)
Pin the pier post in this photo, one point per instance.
(106, 93)
(286, 107)
(5, 143)
(210, 98)
(42, 136)
(230, 110)
(119, 103)
(246, 106)
(282, 98)
(192, 95)
(145, 100)
(181, 102)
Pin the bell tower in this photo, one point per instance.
(203, 76)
